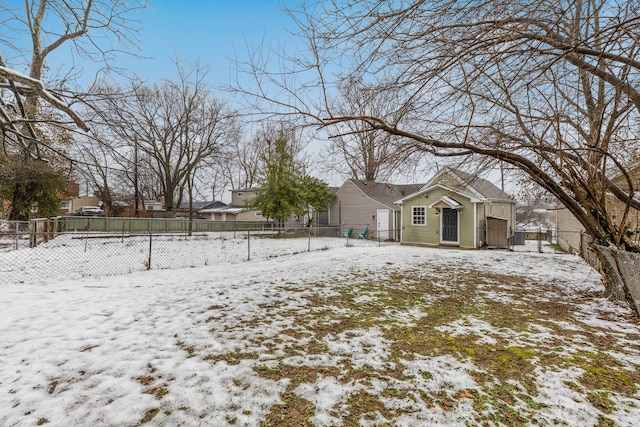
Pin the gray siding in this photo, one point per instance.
(569, 229)
(353, 208)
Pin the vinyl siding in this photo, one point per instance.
(450, 180)
(430, 233)
(569, 229)
(249, 216)
(503, 210)
(247, 195)
(353, 208)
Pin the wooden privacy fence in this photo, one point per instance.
(42, 230)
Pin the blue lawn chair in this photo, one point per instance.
(348, 234)
(363, 235)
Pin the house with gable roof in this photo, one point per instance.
(366, 205)
(238, 210)
(457, 209)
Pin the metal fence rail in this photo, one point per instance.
(78, 254)
(163, 225)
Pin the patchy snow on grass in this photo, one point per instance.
(325, 394)
(362, 347)
(227, 344)
(561, 404)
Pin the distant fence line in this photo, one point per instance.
(165, 225)
(40, 250)
(18, 234)
(621, 268)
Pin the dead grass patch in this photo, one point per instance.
(508, 327)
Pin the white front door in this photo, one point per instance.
(383, 224)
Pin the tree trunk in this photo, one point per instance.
(615, 288)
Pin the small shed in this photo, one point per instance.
(497, 232)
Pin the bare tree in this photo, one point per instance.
(551, 88)
(244, 158)
(361, 152)
(178, 127)
(109, 165)
(35, 114)
(239, 162)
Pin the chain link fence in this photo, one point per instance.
(620, 268)
(32, 251)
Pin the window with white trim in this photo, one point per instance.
(419, 215)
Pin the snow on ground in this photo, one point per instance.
(196, 346)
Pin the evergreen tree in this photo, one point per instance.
(279, 194)
(315, 196)
(32, 186)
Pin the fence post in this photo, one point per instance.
(511, 239)
(248, 244)
(150, 245)
(539, 240)
(31, 234)
(309, 240)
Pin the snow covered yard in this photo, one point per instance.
(361, 335)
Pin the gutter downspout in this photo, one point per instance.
(401, 216)
(475, 225)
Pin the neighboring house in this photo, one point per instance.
(369, 205)
(71, 201)
(182, 211)
(617, 207)
(534, 216)
(569, 228)
(153, 205)
(237, 210)
(457, 209)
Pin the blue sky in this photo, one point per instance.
(212, 30)
(209, 30)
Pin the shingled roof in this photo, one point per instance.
(386, 193)
(487, 189)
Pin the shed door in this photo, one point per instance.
(383, 224)
(497, 233)
(449, 225)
